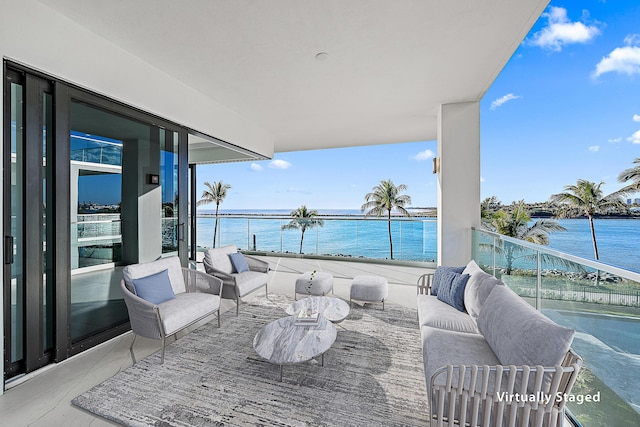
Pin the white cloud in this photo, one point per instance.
(255, 167)
(635, 138)
(560, 31)
(636, 117)
(481, 179)
(615, 140)
(623, 60)
(632, 40)
(279, 164)
(594, 148)
(498, 102)
(424, 155)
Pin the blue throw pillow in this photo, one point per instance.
(454, 294)
(438, 275)
(239, 262)
(155, 288)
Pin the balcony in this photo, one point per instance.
(44, 398)
(599, 301)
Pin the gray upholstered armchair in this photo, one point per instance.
(164, 298)
(217, 262)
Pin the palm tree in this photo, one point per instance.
(515, 223)
(384, 198)
(631, 174)
(303, 219)
(214, 193)
(587, 197)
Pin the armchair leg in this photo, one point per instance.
(218, 318)
(133, 356)
(162, 352)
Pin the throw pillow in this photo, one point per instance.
(239, 262)
(478, 288)
(453, 294)
(155, 288)
(438, 275)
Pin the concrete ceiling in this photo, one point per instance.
(388, 67)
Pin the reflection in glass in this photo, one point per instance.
(169, 184)
(17, 229)
(97, 140)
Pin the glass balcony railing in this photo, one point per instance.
(601, 303)
(413, 239)
(106, 155)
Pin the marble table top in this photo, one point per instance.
(282, 342)
(333, 309)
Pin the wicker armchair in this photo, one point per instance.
(237, 285)
(197, 297)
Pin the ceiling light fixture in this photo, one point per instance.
(322, 56)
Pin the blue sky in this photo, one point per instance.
(565, 107)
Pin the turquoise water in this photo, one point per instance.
(346, 234)
(352, 236)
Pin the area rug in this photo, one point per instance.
(372, 376)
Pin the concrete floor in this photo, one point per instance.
(44, 398)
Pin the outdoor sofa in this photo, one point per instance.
(493, 359)
(240, 273)
(163, 298)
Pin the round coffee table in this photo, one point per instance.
(331, 308)
(282, 342)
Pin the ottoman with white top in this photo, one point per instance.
(321, 284)
(369, 289)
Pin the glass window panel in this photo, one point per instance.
(98, 140)
(17, 228)
(169, 187)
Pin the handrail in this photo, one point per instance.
(562, 255)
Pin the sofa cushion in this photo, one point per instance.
(479, 286)
(250, 281)
(435, 313)
(171, 264)
(451, 289)
(219, 259)
(519, 334)
(438, 276)
(239, 262)
(441, 348)
(155, 288)
(185, 309)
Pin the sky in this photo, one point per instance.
(565, 107)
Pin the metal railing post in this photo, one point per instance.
(539, 283)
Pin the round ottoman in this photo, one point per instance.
(321, 284)
(369, 289)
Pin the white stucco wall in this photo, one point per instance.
(458, 181)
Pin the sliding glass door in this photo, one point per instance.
(90, 185)
(28, 291)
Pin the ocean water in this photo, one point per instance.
(346, 234)
(349, 234)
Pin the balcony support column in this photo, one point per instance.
(458, 180)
